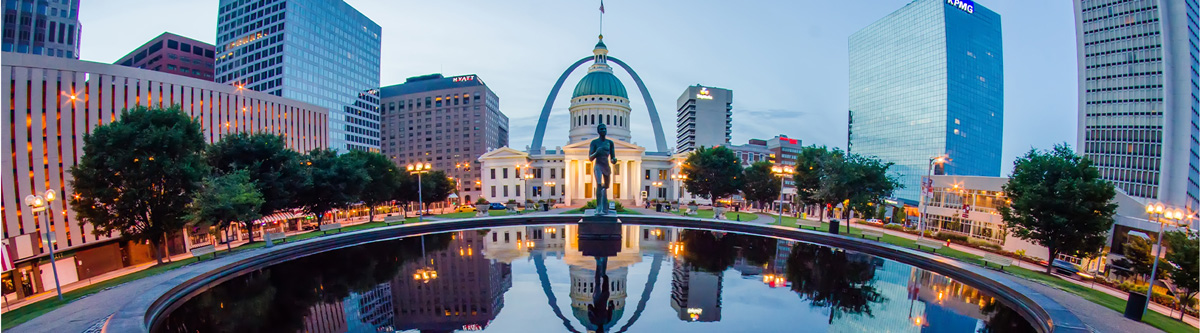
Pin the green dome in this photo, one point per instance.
(600, 83)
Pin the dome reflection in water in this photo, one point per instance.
(540, 279)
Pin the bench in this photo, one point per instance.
(872, 233)
(801, 223)
(273, 236)
(325, 228)
(996, 259)
(930, 243)
(392, 219)
(203, 250)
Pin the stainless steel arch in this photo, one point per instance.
(539, 132)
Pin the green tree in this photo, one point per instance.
(331, 182)
(224, 200)
(1059, 201)
(828, 177)
(1139, 251)
(137, 174)
(1185, 255)
(436, 186)
(385, 179)
(713, 173)
(759, 184)
(274, 169)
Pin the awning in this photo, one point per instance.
(280, 216)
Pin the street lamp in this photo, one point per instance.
(781, 171)
(420, 169)
(41, 203)
(1173, 216)
(940, 160)
(679, 177)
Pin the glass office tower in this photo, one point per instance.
(927, 80)
(317, 51)
(1138, 96)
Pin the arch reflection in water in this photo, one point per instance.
(540, 278)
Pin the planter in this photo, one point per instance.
(719, 212)
(512, 206)
(692, 209)
(482, 208)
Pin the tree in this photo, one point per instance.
(712, 173)
(274, 169)
(1185, 255)
(385, 179)
(137, 174)
(331, 182)
(759, 184)
(1059, 201)
(224, 200)
(436, 186)
(828, 177)
(835, 279)
(1139, 251)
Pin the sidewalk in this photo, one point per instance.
(1019, 263)
(51, 293)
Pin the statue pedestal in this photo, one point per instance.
(600, 235)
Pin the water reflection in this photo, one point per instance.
(459, 282)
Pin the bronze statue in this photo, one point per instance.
(602, 153)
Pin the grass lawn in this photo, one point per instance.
(580, 211)
(457, 215)
(1117, 304)
(732, 216)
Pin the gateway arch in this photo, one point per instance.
(540, 132)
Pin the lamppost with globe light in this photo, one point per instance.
(420, 169)
(551, 185)
(680, 178)
(782, 171)
(1173, 216)
(41, 203)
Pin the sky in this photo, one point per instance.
(786, 61)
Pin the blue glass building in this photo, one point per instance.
(927, 80)
(316, 51)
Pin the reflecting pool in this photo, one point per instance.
(543, 279)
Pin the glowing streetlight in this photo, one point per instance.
(420, 169)
(41, 203)
(1172, 216)
(939, 160)
(782, 171)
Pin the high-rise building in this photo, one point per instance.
(322, 52)
(175, 54)
(696, 294)
(928, 80)
(1138, 96)
(447, 122)
(58, 101)
(42, 27)
(460, 290)
(704, 117)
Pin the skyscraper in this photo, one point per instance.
(444, 121)
(175, 54)
(316, 51)
(1138, 96)
(704, 117)
(928, 80)
(42, 27)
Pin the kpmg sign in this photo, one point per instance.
(965, 5)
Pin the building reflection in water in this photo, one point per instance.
(457, 281)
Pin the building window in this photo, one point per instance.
(505, 174)
(493, 177)
(493, 191)
(505, 191)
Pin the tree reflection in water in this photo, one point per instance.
(1003, 319)
(834, 279)
(278, 298)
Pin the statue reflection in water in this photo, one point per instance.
(600, 312)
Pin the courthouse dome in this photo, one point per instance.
(600, 83)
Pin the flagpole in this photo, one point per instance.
(602, 17)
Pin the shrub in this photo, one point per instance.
(592, 205)
(692, 203)
(512, 201)
(481, 201)
(983, 244)
(896, 227)
(951, 237)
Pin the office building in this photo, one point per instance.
(928, 80)
(755, 150)
(58, 101)
(704, 117)
(322, 52)
(42, 27)
(447, 122)
(1138, 96)
(175, 54)
(695, 294)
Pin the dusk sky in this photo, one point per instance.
(786, 61)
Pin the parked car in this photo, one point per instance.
(875, 221)
(1070, 270)
(464, 209)
(497, 206)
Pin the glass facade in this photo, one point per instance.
(928, 80)
(320, 52)
(42, 27)
(1138, 104)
